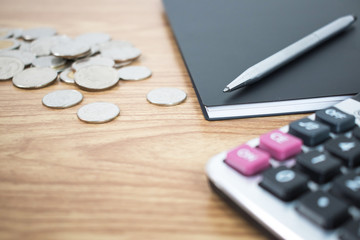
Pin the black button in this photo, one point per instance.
(348, 187)
(311, 132)
(323, 209)
(356, 132)
(337, 120)
(351, 231)
(284, 183)
(320, 166)
(348, 149)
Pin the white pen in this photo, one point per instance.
(277, 60)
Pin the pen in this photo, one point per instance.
(277, 60)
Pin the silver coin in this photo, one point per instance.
(114, 44)
(134, 73)
(26, 57)
(9, 67)
(35, 78)
(96, 77)
(25, 46)
(93, 38)
(9, 44)
(100, 61)
(121, 54)
(67, 76)
(98, 112)
(5, 33)
(49, 61)
(35, 33)
(166, 96)
(122, 64)
(71, 49)
(62, 98)
(17, 32)
(42, 46)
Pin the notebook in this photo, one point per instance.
(220, 39)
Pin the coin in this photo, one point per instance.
(121, 54)
(26, 57)
(5, 33)
(114, 44)
(134, 73)
(34, 33)
(98, 112)
(93, 38)
(100, 61)
(35, 78)
(10, 66)
(166, 96)
(122, 64)
(9, 44)
(42, 46)
(71, 49)
(96, 77)
(48, 61)
(67, 76)
(25, 46)
(62, 98)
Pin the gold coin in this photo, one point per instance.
(8, 44)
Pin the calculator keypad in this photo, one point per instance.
(323, 181)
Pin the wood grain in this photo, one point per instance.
(140, 176)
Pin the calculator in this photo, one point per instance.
(301, 181)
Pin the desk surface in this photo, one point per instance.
(140, 176)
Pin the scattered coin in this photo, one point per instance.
(25, 46)
(9, 67)
(5, 33)
(16, 33)
(134, 73)
(121, 54)
(67, 76)
(26, 57)
(114, 44)
(71, 50)
(93, 38)
(49, 61)
(42, 46)
(166, 96)
(98, 112)
(100, 61)
(96, 77)
(35, 78)
(62, 98)
(122, 64)
(9, 44)
(35, 33)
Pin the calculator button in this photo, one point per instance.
(247, 160)
(351, 231)
(280, 145)
(323, 209)
(356, 132)
(338, 121)
(348, 187)
(348, 149)
(284, 183)
(319, 166)
(311, 132)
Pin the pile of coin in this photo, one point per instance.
(34, 58)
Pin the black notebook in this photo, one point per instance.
(220, 39)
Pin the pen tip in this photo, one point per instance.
(226, 89)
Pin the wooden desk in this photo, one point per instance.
(140, 176)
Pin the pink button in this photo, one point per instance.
(280, 145)
(247, 160)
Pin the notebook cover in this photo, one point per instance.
(220, 39)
